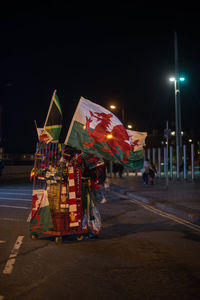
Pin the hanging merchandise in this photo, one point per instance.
(62, 198)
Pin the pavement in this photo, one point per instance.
(179, 197)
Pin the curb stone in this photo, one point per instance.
(192, 217)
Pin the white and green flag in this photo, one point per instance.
(41, 219)
(138, 139)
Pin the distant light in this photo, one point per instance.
(181, 78)
(173, 133)
(130, 126)
(190, 140)
(109, 136)
(84, 127)
(112, 106)
(172, 79)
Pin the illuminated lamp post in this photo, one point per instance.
(177, 109)
(113, 107)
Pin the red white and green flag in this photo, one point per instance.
(137, 138)
(44, 136)
(41, 219)
(91, 160)
(95, 130)
(53, 123)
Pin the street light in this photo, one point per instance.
(177, 109)
(113, 107)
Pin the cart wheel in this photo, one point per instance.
(34, 236)
(58, 239)
(79, 237)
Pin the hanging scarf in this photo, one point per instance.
(73, 209)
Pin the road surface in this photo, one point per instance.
(141, 253)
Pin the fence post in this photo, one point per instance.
(171, 161)
(153, 156)
(177, 162)
(159, 162)
(149, 153)
(192, 161)
(184, 163)
(144, 154)
(166, 164)
(164, 161)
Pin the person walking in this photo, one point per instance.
(115, 169)
(145, 171)
(152, 172)
(98, 178)
(120, 170)
(101, 180)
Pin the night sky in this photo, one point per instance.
(108, 55)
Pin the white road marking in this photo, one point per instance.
(18, 190)
(167, 215)
(11, 260)
(15, 199)
(9, 219)
(12, 206)
(20, 194)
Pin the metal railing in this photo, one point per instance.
(175, 163)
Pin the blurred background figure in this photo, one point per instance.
(152, 172)
(120, 170)
(115, 169)
(145, 171)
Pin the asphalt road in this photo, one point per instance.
(141, 253)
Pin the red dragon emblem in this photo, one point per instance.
(118, 136)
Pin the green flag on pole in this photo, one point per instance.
(53, 124)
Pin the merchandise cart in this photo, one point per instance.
(62, 201)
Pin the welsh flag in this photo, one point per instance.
(137, 138)
(41, 219)
(92, 161)
(95, 130)
(53, 124)
(44, 136)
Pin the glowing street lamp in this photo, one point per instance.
(123, 113)
(130, 126)
(177, 108)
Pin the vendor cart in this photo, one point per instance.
(62, 200)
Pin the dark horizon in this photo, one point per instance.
(120, 57)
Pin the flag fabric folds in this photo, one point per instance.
(138, 138)
(53, 124)
(95, 130)
(41, 219)
(44, 136)
(92, 161)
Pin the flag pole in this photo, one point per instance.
(50, 106)
(70, 127)
(36, 129)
